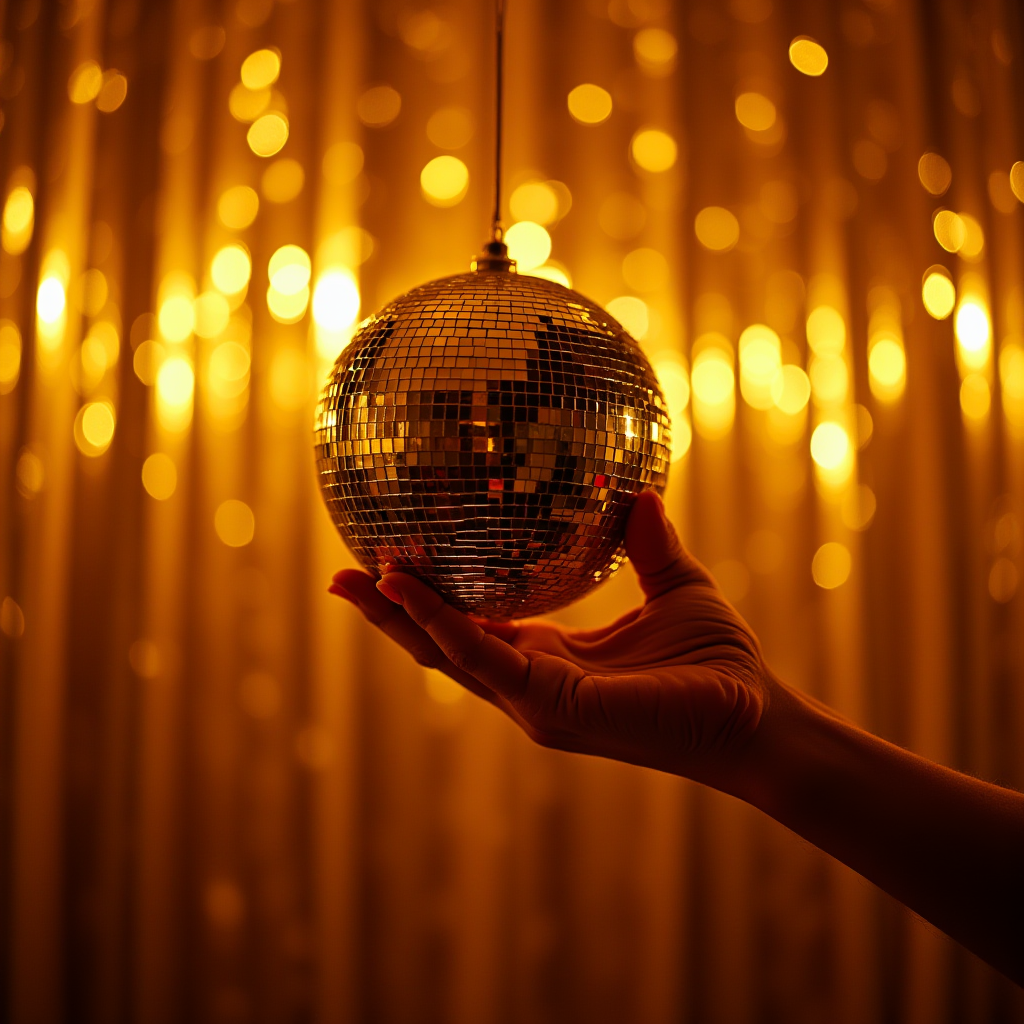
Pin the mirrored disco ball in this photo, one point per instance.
(488, 432)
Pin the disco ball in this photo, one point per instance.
(487, 432)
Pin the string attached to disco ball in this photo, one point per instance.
(488, 433)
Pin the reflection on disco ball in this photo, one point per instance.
(489, 432)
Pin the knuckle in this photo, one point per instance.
(428, 658)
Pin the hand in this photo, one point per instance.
(677, 684)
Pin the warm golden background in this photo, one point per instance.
(221, 797)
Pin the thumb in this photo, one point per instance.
(652, 545)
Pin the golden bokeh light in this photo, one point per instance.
(646, 270)
(85, 82)
(237, 207)
(287, 307)
(830, 445)
(831, 565)
(289, 269)
(10, 356)
(342, 163)
(231, 269)
(175, 387)
(159, 476)
(234, 522)
(655, 51)
(791, 390)
(51, 300)
(887, 369)
(450, 127)
(12, 618)
(379, 106)
(653, 150)
(228, 369)
(148, 359)
(589, 103)
(247, 104)
(830, 379)
(632, 313)
(529, 244)
(94, 428)
(713, 388)
(938, 293)
(113, 91)
(92, 292)
(975, 397)
(950, 230)
(444, 181)
(808, 56)
(1003, 579)
(268, 134)
(18, 220)
(857, 508)
(176, 318)
(206, 42)
(974, 237)
(335, 308)
(826, 331)
(755, 111)
(675, 383)
(536, 201)
(934, 173)
(261, 69)
(282, 181)
(212, 313)
(760, 351)
(973, 330)
(1017, 179)
(717, 228)
(551, 271)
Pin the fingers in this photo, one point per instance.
(659, 558)
(471, 649)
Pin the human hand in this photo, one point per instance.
(677, 684)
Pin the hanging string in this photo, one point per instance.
(496, 228)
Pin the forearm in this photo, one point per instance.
(946, 845)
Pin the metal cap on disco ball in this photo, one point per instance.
(488, 433)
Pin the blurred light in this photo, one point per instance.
(113, 91)
(289, 379)
(92, 292)
(351, 246)
(655, 51)
(807, 56)
(289, 269)
(268, 134)
(975, 397)
(590, 104)
(206, 42)
(378, 106)
(177, 318)
(938, 293)
(713, 392)
(175, 386)
(826, 331)
(287, 307)
(779, 201)
(974, 237)
(94, 428)
(755, 111)
(10, 356)
(229, 369)
(423, 30)
(85, 82)
(934, 173)
(831, 565)
(282, 181)
(1017, 179)
(450, 127)
(1011, 377)
(675, 384)
(857, 508)
(30, 473)
(973, 333)
(18, 220)
(12, 618)
(1002, 580)
(760, 353)
(646, 270)
(887, 369)
(830, 445)
(529, 244)
(51, 300)
(551, 272)
(716, 228)
(335, 300)
(444, 180)
(632, 313)
(342, 163)
(536, 201)
(237, 207)
(231, 269)
(1000, 193)
(247, 104)
(829, 379)
(212, 314)
(950, 230)
(148, 359)
(261, 69)
(653, 150)
(159, 476)
(791, 390)
(98, 353)
(234, 522)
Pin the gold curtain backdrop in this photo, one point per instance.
(222, 798)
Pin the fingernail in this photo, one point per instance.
(390, 592)
(339, 591)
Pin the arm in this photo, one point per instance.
(680, 685)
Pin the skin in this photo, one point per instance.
(680, 685)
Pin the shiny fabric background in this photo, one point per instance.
(222, 797)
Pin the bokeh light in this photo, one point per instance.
(655, 51)
(887, 369)
(551, 271)
(246, 105)
(1017, 179)
(632, 313)
(938, 293)
(973, 333)
(826, 331)
(934, 173)
(159, 476)
(342, 163)
(536, 201)
(85, 82)
(268, 134)
(289, 269)
(444, 180)
(228, 369)
(234, 522)
(590, 104)
(831, 565)
(713, 388)
(94, 428)
(646, 270)
(379, 106)
(113, 92)
(975, 397)
(211, 314)
(261, 69)
(10, 356)
(653, 150)
(717, 228)
(282, 181)
(808, 56)
(231, 269)
(450, 127)
(830, 445)
(529, 244)
(829, 379)
(175, 387)
(51, 300)
(18, 220)
(760, 351)
(755, 111)
(950, 230)
(237, 207)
